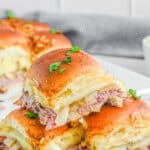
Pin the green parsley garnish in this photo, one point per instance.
(73, 49)
(62, 70)
(53, 31)
(67, 60)
(133, 93)
(54, 66)
(31, 114)
(9, 14)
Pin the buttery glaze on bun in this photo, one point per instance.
(44, 42)
(21, 132)
(120, 128)
(22, 41)
(26, 27)
(83, 87)
(14, 52)
(5, 27)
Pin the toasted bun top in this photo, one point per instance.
(12, 38)
(25, 26)
(5, 27)
(33, 127)
(46, 40)
(110, 117)
(50, 84)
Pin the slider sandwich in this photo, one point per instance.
(67, 84)
(17, 52)
(125, 128)
(21, 130)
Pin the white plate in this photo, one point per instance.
(131, 79)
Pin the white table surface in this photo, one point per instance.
(137, 65)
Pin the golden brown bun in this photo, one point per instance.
(50, 85)
(114, 127)
(22, 41)
(5, 27)
(44, 42)
(12, 38)
(25, 27)
(111, 116)
(26, 131)
(31, 135)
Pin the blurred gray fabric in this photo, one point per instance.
(99, 34)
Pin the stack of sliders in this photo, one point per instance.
(71, 103)
(21, 42)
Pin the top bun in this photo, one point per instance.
(44, 42)
(110, 118)
(25, 27)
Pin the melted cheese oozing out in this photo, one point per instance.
(89, 104)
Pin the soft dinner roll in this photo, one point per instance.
(21, 42)
(76, 88)
(19, 132)
(126, 128)
(14, 52)
(20, 38)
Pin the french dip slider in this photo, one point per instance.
(21, 130)
(66, 84)
(125, 128)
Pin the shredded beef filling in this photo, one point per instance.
(47, 116)
(101, 98)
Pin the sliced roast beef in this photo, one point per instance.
(47, 116)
